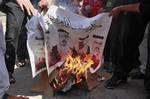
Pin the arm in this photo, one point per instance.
(131, 7)
(143, 8)
(125, 8)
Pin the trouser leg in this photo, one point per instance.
(147, 74)
(106, 52)
(4, 78)
(14, 22)
(22, 52)
(131, 36)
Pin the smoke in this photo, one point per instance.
(70, 5)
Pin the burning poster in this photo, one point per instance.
(67, 42)
(70, 35)
(35, 44)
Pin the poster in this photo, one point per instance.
(64, 33)
(35, 44)
(69, 34)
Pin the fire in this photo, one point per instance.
(78, 66)
(74, 69)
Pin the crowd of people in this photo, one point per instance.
(130, 19)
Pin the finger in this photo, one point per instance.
(21, 6)
(43, 10)
(42, 6)
(39, 4)
(28, 11)
(32, 10)
(29, 8)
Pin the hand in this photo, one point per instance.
(26, 5)
(43, 5)
(116, 11)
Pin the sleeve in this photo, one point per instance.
(145, 9)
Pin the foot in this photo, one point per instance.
(20, 63)
(114, 82)
(137, 74)
(11, 78)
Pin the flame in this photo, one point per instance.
(74, 67)
(78, 66)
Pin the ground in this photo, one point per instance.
(134, 89)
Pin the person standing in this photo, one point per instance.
(127, 31)
(4, 77)
(16, 11)
(22, 51)
(15, 16)
(143, 9)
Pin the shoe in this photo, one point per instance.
(11, 78)
(115, 81)
(137, 75)
(20, 63)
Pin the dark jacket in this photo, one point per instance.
(123, 2)
(145, 10)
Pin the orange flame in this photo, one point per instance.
(78, 66)
(73, 67)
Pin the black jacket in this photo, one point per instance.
(145, 10)
(123, 2)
